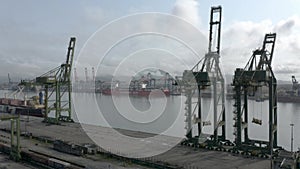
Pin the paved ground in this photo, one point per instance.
(186, 157)
(206, 159)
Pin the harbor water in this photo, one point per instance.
(166, 115)
(172, 116)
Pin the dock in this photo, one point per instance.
(38, 137)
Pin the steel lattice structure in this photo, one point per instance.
(206, 73)
(57, 86)
(257, 73)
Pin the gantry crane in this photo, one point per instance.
(9, 79)
(57, 86)
(256, 74)
(58, 81)
(295, 86)
(206, 73)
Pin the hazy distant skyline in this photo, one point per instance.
(35, 34)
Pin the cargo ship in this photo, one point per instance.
(18, 106)
(139, 92)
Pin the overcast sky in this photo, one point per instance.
(35, 34)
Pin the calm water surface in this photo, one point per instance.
(165, 115)
(171, 116)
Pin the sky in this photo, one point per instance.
(35, 34)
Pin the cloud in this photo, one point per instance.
(188, 10)
(285, 27)
(34, 42)
(286, 69)
(95, 14)
(241, 38)
(37, 44)
(238, 41)
(123, 37)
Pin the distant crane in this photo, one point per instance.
(295, 86)
(86, 74)
(93, 74)
(75, 75)
(11, 85)
(9, 80)
(151, 80)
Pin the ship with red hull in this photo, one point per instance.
(140, 92)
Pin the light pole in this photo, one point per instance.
(292, 136)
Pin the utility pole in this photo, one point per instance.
(292, 136)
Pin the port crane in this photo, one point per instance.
(9, 80)
(295, 86)
(206, 73)
(11, 85)
(56, 84)
(256, 74)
